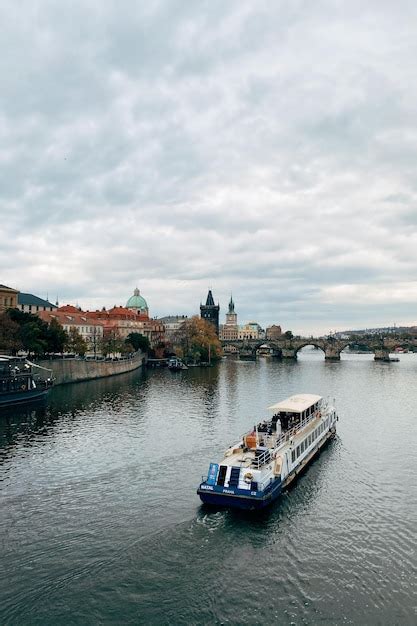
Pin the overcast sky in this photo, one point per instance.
(263, 148)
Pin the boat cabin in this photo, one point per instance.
(294, 411)
(15, 374)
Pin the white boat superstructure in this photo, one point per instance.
(256, 469)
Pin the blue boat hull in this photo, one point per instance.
(239, 498)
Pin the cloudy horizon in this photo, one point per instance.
(262, 149)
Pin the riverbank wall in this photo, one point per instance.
(76, 370)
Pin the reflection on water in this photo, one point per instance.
(100, 521)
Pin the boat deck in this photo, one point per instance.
(237, 456)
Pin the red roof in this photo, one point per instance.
(68, 308)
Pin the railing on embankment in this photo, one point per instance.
(76, 370)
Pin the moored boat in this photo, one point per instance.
(175, 364)
(266, 460)
(18, 382)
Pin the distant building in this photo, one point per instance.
(138, 304)
(28, 303)
(172, 325)
(210, 311)
(251, 330)
(134, 318)
(273, 332)
(69, 317)
(230, 330)
(8, 298)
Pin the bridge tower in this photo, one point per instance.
(210, 311)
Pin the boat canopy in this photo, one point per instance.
(296, 404)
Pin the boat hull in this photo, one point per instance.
(218, 496)
(237, 498)
(22, 397)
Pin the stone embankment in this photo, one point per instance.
(77, 370)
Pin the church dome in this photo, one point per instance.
(137, 302)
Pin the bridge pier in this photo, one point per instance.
(331, 354)
(381, 354)
(289, 353)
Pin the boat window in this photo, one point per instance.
(293, 456)
(298, 450)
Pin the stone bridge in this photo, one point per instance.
(288, 348)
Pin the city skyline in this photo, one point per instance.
(264, 149)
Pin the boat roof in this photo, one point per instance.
(296, 404)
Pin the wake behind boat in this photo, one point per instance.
(255, 470)
(19, 384)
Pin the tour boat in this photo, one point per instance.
(175, 364)
(266, 460)
(18, 384)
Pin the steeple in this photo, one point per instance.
(231, 305)
(210, 300)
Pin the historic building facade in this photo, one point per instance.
(91, 330)
(273, 332)
(230, 330)
(8, 298)
(133, 318)
(172, 324)
(251, 330)
(210, 311)
(28, 303)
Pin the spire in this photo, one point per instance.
(231, 305)
(210, 301)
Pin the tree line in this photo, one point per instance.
(196, 341)
(20, 331)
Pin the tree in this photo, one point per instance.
(288, 334)
(75, 343)
(32, 331)
(138, 341)
(197, 340)
(10, 340)
(111, 343)
(56, 337)
(33, 339)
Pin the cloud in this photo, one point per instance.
(266, 149)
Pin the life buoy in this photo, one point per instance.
(248, 477)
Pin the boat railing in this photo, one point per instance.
(261, 459)
(275, 441)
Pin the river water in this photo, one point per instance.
(100, 522)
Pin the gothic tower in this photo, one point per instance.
(210, 311)
(231, 316)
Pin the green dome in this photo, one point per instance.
(137, 302)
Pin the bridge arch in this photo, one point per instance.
(313, 343)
